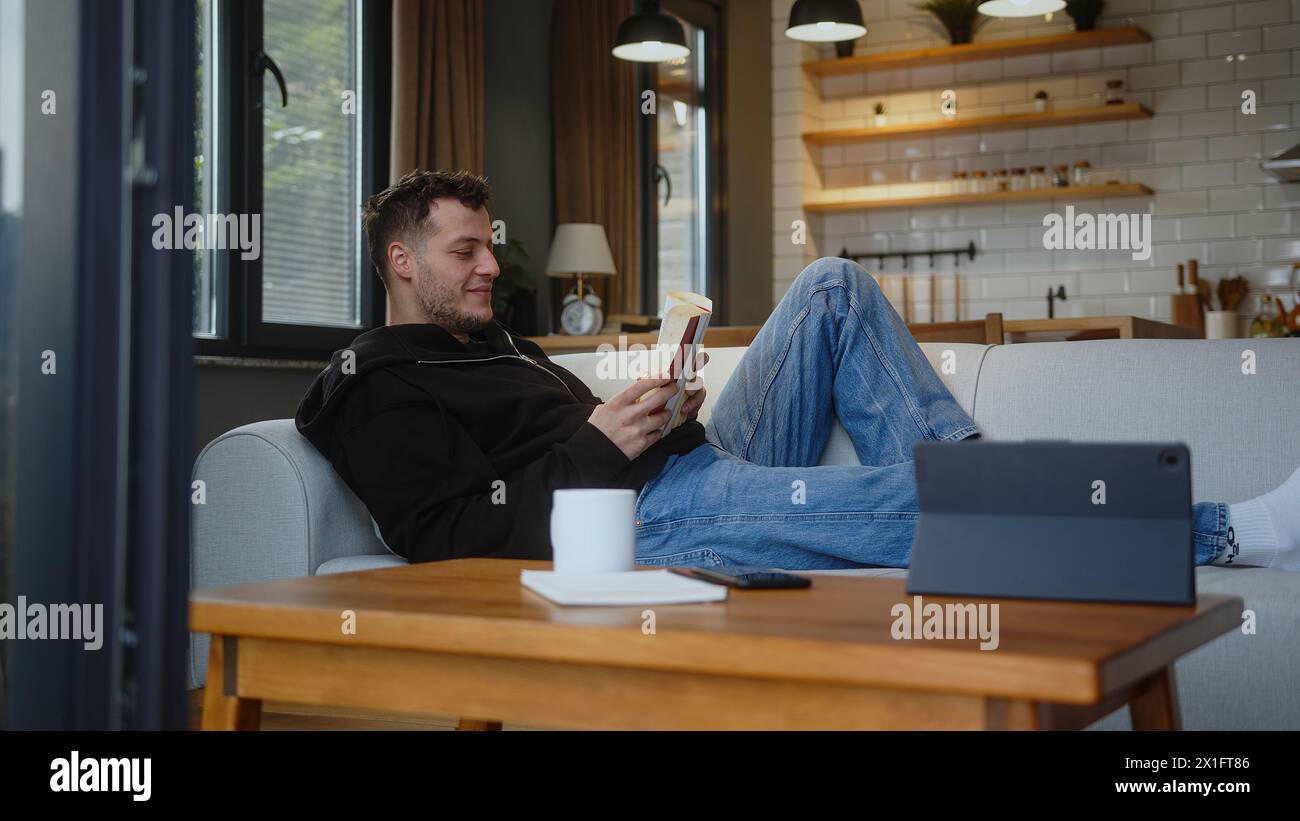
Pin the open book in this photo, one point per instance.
(685, 319)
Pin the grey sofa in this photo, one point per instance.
(275, 508)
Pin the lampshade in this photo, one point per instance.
(825, 21)
(579, 248)
(650, 36)
(1020, 8)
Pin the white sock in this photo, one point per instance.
(1265, 531)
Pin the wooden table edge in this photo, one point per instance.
(304, 673)
(860, 664)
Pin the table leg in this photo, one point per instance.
(222, 708)
(1155, 705)
(1011, 714)
(478, 724)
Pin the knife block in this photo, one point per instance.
(1186, 311)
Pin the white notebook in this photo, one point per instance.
(632, 587)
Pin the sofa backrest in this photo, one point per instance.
(1243, 429)
(958, 371)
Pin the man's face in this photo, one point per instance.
(456, 267)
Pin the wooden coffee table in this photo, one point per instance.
(463, 638)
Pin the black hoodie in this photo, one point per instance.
(455, 449)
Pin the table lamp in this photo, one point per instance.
(580, 250)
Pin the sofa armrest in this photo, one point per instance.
(273, 508)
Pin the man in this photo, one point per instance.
(455, 433)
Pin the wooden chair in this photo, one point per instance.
(986, 331)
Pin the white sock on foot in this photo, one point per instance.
(1265, 531)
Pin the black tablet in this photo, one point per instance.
(1054, 520)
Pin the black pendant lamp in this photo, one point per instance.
(650, 36)
(825, 21)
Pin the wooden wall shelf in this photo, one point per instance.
(1001, 122)
(1122, 35)
(1128, 189)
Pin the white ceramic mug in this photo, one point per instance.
(592, 531)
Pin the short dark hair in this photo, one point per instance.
(399, 211)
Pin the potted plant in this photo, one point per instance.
(513, 291)
(1040, 101)
(1084, 13)
(880, 114)
(959, 18)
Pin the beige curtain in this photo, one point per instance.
(595, 112)
(437, 120)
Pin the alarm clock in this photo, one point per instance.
(581, 315)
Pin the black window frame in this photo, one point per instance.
(245, 332)
(706, 15)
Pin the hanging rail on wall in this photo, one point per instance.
(880, 258)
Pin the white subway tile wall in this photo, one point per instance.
(1200, 154)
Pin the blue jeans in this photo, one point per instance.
(833, 348)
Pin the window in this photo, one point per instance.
(681, 216)
(210, 309)
(293, 106)
(311, 155)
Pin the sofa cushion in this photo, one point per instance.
(608, 376)
(1243, 430)
(959, 377)
(349, 564)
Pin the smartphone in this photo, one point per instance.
(746, 577)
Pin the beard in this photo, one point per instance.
(438, 302)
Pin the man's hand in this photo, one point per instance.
(695, 391)
(631, 425)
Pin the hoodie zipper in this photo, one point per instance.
(518, 355)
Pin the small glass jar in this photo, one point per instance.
(960, 183)
(1062, 176)
(1079, 178)
(979, 182)
(1038, 177)
(1018, 180)
(1293, 320)
(1114, 92)
(1000, 180)
(1271, 320)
